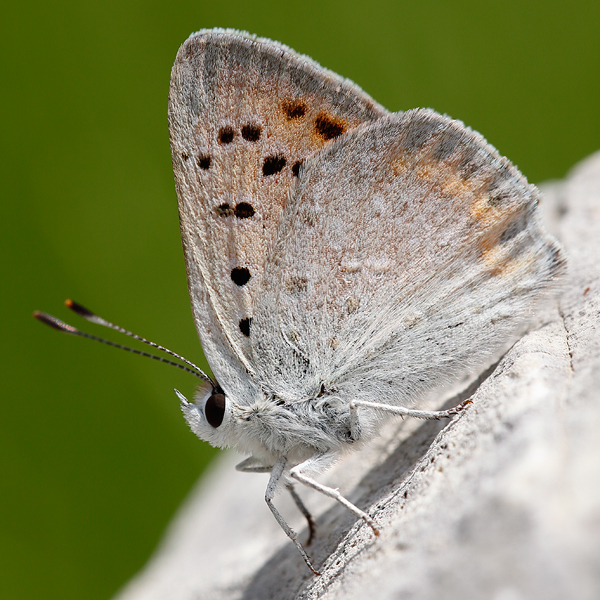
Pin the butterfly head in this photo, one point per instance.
(210, 415)
(215, 417)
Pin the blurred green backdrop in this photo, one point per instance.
(94, 454)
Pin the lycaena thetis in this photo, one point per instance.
(343, 262)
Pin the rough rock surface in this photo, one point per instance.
(501, 503)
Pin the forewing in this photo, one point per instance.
(410, 254)
(244, 113)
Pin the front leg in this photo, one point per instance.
(318, 459)
(276, 474)
(254, 465)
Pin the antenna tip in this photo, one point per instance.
(82, 311)
(53, 322)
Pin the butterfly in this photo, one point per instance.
(343, 262)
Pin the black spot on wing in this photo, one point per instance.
(224, 210)
(226, 135)
(245, 326)
(273, 164)
(294, 109)
(244, 210)
(240, 276)
(328, 127)
(251, 133)
(203, 161)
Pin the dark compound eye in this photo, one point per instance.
(214, 409)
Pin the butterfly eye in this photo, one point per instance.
(214, 409)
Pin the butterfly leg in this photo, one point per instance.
(276, 474)
(297, 474)
(302, 508)
(253, 465)
(405, 412)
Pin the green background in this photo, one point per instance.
(94, 454)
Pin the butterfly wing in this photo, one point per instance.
(410, 254)
(244, 113)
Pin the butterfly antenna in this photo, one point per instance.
(88, 315)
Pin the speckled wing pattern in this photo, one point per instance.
(410, 253)
(244, 113)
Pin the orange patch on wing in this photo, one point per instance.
(400, 165)
(499, 261)
(424, 171)
(496, 256)
(488, 214)
(454, 185)
(443, 177)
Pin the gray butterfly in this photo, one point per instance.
(343, 262)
